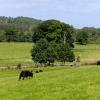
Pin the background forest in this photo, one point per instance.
(21, 29)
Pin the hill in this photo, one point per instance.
(19, 23)
(17, 29)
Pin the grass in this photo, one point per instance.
(12, 54)
(55, 83)
(88, 53)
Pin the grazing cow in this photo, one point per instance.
(25, 74)
(98, 63)
(36, 71)
(40, 70)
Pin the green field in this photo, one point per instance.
(56, 83)
(88, 53)
(14, 53)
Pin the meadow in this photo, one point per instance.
(54, 83)
(12, 54)
(88, 53)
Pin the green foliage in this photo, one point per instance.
(17, 29)
(53, 30)
(2, 36)
(43, 52)
(39, 51)
(56, 31)
(70, 56)
(82, 37)
(64, 53)
(10, 35)
(93, 34)
(54, 41)
(51, 53)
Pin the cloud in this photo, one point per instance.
(71, 11)
(22, 3)
(69, 6)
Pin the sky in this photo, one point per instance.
(78, 13)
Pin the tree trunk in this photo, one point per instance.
(64, 39)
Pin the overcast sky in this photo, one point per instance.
(78, 13)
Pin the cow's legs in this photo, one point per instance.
(23, 78)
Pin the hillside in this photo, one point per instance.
(19, 29)
(18, 23)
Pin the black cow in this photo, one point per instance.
(40, 70)
(98, 63)
(36, 71)
(25, 74)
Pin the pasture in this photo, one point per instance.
(13, 53)
(88, 53)
(54, 83)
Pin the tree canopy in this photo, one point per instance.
(54, 30)
(53, 41)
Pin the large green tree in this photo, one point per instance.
(54, 30)
(64, 53)
(44, 52)
(53, 34)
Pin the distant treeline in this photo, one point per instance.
(21, 29)
(17, 29)
(88, 35)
